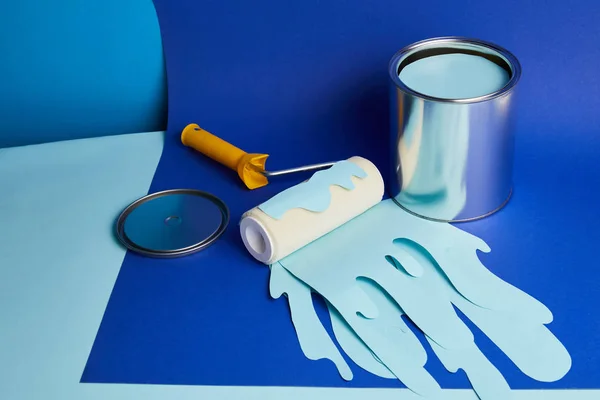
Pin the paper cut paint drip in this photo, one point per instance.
(314, 339)
(386, 263)
(355, 348)
(487, 381)
(317, 186)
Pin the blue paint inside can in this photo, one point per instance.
(454, 76)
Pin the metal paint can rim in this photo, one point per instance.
(447, 42)
(200, 245)
(456, 220)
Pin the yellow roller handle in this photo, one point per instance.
(212, 146)
(250, 167)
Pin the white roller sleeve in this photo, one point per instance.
(269, 240)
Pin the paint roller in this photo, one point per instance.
(303, 213)
(249, 166)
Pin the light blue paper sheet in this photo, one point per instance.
(60, 261)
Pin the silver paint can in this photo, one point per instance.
(452, 156)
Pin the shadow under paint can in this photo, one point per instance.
(452, 128)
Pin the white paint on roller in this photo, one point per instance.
(269, 240)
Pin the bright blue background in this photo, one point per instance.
(79, 68)
(306, 82)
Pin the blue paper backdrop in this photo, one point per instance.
(306, 81)
(74, 69)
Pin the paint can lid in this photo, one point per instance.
(172, 223)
